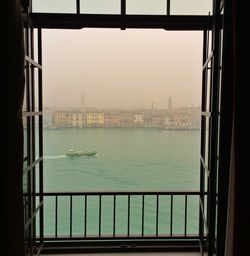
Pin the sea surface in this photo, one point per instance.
(128, 159)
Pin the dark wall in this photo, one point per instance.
(12, 86)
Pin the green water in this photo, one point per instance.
(127, 160)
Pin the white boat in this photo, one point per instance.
(74, 153)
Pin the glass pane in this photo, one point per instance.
(37, 187)
(24, 38)
(206, 185)
(37, 136)
(100, 6)
(54, 6)
(25, 95)
(206, 158)
(37, 220)
(36, 91)
(146, 7)
(35, 34)
(208, 88)
(25, 184)
(190, 7)
(210, 42)
(25, 137)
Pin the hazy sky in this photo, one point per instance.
(123, 69)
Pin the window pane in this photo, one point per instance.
(25, 95)
(37, 187)
(146, 7)
(35, 35)
(36, 90)
(37, 136)
(208, 88)
(54, 6)
(25, 138)
(190, 7)
(207, 142)
(100, 6)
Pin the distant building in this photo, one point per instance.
(154, 118)
(47, 117)
(112, 119)
(61, 118)
(148, 120)
(196, 118)
(185, 118)
(138, 120)
(77, 119)
(126, 119)
(95, 119)
(157, 121)
(169, 124)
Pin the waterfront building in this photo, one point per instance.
(77, 119)
(112, 119)
(47, 117)
(61, 118)
(169, 124)
(138, 120)
(196, 118)
(95, 119)
(182, 119)
(126, 119)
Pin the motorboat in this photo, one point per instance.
(74, 153)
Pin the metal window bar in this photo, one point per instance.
(77, 6)
(128, 216)
(171, 216)
(100, 215)
(185, 223)
(114, 215)
(168, 7)
(214, 129)
(142, 218)
(157, 216)
(85, 215)
(203, 138)
(70, 218)
(40, 118)
(56, 215)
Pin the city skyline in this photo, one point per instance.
(150, 106)
(122, 69)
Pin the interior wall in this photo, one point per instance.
(12, 93)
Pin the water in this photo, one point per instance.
(128, 160)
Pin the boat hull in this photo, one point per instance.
(81, 153)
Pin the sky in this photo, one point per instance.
(113, 68)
